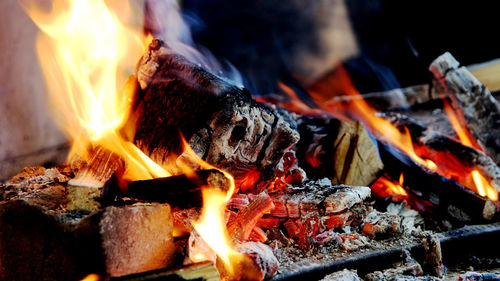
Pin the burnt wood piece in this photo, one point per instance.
(221, 121)
(342, 151)
(113, 240)
(181, 191)
(455, 161)
(476, 239)
(433, 262)
(473, 99)
(240, 228)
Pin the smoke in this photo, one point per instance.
(165, 20)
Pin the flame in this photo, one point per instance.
(85, 53)
(385, 187)
(211, 225)
(91, 277)
(359, 109)
(483, 187)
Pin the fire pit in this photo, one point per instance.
(177, 172)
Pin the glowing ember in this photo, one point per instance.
(385, 187)
(86, 55)
(483, 187)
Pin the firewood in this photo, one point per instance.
(86, 188)
(114, 240)
(342, 151)
(487, 73)
(241, 227)
(468, 95)
(221, 122)
(181, 191)
(448, 153)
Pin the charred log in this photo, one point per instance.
(217, 118)
(181, 191)
(468, 95)
(465, 205)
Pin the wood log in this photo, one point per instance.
(180, 191)
(342, 151)
(114, 240)
(455, 164)
(487, 73)
(473, 99)
(223, 124)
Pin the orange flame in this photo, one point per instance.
(483, 187)
(86, 53)
(340, 82)
(385, 187)
(211, 225)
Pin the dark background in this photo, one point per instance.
(397, 39)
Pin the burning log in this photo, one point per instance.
(226, 119)
(479, 107)
(181, 191)
(114, 240)
(464, 205)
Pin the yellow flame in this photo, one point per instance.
(483, 187)
(86, 55)
(211, 225)
(92, 277)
